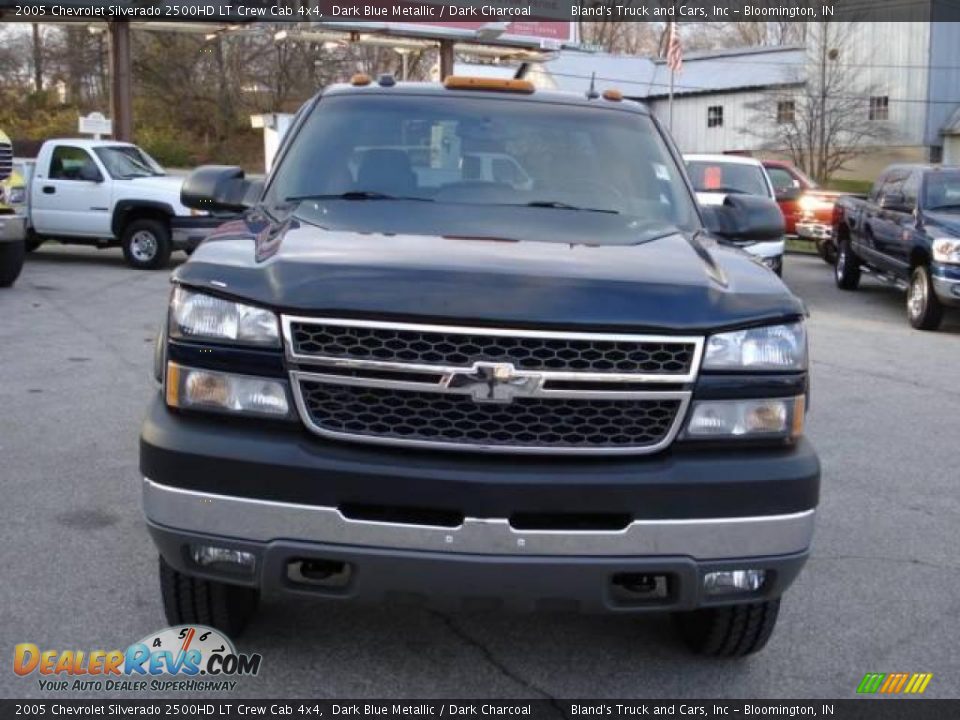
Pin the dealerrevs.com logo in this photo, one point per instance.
(181, 658)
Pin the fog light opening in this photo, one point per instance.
(331, 574)
(211, 556)
(727, 582)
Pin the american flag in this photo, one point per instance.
(674, 53)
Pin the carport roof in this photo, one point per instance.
(644, 77)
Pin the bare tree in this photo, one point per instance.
(823, 119)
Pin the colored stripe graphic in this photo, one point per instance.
(894, 683)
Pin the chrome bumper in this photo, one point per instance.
(814, 231)
(13, 228)
(947, 290)
(266, 521)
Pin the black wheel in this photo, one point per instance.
(827, 250)
(146, 244)
(188, 600)
(923, 306)
(11, 261)
(847, 269)
(732, 631)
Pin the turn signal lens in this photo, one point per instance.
(198, 389)
(764, 418)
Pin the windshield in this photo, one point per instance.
(483, 157)
(125, 161)
(942, 191)
(721, 177)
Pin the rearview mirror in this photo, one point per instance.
(744, 218)
(89, 173)
(219, 188)
(789, 193)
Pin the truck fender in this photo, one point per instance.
(125, 209)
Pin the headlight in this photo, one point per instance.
(947, 250)
(812, 203)
(17, 196)
(766, 418)
(775, 347)
(198, 389)
(205, 317)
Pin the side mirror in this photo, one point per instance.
(745, 218)
(894, 201)
(789, 193)
(219, 188)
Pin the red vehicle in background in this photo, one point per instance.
(807, 208)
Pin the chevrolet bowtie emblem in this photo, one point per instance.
(493, 382)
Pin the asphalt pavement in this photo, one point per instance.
(881, 592)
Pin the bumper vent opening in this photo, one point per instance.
(641, 588)
(402, 515)
(570, 521)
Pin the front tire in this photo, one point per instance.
(924, 309)
(11, 261)
(730, 631)
(146, 244)
(847, 269)
(190, 600)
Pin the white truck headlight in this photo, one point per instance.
(201, 389)
(773, 347)
(196, 316)
(17, 196)
(947, 250)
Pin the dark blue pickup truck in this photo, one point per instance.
(906, 232)
(475, 343)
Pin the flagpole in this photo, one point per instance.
(671, 100)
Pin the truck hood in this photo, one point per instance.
(949, 222)
(165, 184)
(672, 284)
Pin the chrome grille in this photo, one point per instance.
(462, 349)
(6, 161)
(462, 388)
(378, 412)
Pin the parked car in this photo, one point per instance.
(807, 208)
(715, 177)
(12, 222)
(563, 393)
(906, 232)
(106, 193)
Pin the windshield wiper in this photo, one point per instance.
(355, 195)
(567, 206)
(951, 206)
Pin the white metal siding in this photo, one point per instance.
(690, 122)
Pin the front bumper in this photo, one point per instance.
(285, 496)
(187, 232)
(769, 250)
(946, 283)
(814, 231)
(13, 228)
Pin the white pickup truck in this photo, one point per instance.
(106, 193)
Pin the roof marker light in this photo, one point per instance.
(612, 95)
(360, 79)
(462, 82)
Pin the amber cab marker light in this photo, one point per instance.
(360, 79)
(461, 82)
(612, 95)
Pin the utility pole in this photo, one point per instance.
(446, 59)
(822, 154)
(37, 59)
(120, 81)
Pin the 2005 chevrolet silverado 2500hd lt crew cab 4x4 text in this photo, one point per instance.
(555, 389)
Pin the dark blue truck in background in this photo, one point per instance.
(906, 232)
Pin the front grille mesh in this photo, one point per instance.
(389, 413)
(6, 161)
(462, 350)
